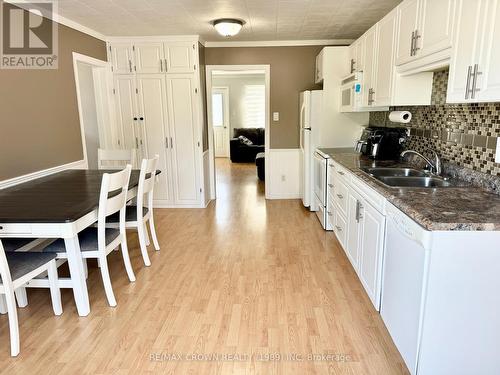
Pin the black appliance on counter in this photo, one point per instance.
(382, 143)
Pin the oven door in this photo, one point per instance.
(320, 165)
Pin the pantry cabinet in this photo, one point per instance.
(369, 72)
(157, 109)
(474, 69)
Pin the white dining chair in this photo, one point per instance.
(138, 215)
(18, 268)
(115, 159)
(98, 242)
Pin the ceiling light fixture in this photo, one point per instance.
(228, 26)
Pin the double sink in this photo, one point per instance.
(407, 177)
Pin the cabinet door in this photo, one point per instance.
(360, 54)
(385, 59)
(369, 77)
(122, 58)
(353, 229)
(469, 20)
(180, 57)
(436, 26)
(372, 245)
(152, 104)
(182, 124)
(149, 57)
(126, 110)
(407, 24)
(319, 68)
(488, 82)
(351, 59)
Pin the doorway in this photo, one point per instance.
(92, 82)
(238, 118)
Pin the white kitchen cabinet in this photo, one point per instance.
(149, 57)
(318, 77)
(369, 72)
(180, 57)
(152, 100)
(474, 74)
(371, 251)
(182, 118)
(436, 26)
(122, 57)
(384, 67)
(407, 24)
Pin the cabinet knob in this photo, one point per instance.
(141, 118)
(135, 118)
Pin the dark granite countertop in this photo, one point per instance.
(462, 207)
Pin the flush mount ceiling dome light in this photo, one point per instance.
(228, 26)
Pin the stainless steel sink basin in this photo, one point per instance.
(424, 182)
(395, 172)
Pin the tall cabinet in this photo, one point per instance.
(157, 100)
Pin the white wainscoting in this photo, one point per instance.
(283, 180)
(80, 164)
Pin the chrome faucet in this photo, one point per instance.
(436, 167)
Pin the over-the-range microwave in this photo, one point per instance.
(351, 93)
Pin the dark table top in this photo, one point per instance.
(59, 198)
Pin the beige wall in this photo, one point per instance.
(40, 128)
(292, 71)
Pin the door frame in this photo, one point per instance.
(102, 79)
(226, 114)
(266, 68)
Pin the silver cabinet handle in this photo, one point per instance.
(467, 84)
(341, 173)
(331, 185)
(136, 143)
(338, 228)
(474, 81)
(340, 196)
(171, 143)
(415, 38)
(352, 65)
(412, 43)
(161, 65)
(329, 213)
(166, 69)
(130, 65)
(370, 96)
(357, 211)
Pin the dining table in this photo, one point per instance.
(58, 206)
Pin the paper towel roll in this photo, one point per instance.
(403, 117)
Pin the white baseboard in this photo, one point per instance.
(80, 164)
(284, 174)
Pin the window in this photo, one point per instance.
(254, 108)
(217, 109)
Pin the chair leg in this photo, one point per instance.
(106, 280)
(126, 259)
(13, 322)
(141, 229)
(3, 305)
(85, 268)
(146, 234)
(153, 232)
(55, 292)
(21, 296)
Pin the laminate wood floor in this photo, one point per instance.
(243, 287)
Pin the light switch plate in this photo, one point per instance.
(497, 153)
(276, 116)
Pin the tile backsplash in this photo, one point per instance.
(465, 134)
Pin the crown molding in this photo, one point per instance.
(281, 43)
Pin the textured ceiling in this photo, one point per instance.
(265, 19)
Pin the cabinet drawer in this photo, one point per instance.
(340, 171)
(340, 228)
(15, 228)
(340, 197)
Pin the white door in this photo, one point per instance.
(488, 82)
(181, 109)
(126, 109)
(152, 99)
(353, 228)
(372, 244)
(180, 57)
(385, 59)
(220, 121)
(369, 78)
(149, 57)
(122, 58)
(469, 21)
(436, 26)
(407, 24)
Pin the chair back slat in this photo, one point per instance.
(114, 188)
(147, 179)
(115, 159)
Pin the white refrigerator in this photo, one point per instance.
(311, 103)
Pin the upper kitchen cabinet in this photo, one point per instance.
(356, 56)
(149, 57)
(474, 73)
(180, 57)
(370, 68)
(122, 57)
(318, 75)
(425, 34)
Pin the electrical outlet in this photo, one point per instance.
(283, 178)
(276, 116)
(497, 153)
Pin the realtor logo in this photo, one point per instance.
(28, 35)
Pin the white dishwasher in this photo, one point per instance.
(403, 286)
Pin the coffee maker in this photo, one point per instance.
(381, 143)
